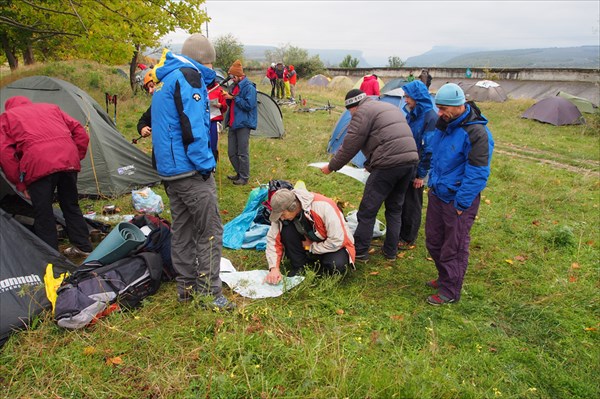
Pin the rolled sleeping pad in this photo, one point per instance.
(123, 239)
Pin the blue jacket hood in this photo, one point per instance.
(419, 92)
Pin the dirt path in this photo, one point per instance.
(549, 158)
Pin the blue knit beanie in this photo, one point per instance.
(450, 94)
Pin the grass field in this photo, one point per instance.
(526, 326)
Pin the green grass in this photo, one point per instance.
(526, 326)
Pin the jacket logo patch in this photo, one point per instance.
(197, 97)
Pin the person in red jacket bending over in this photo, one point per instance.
(40, 151)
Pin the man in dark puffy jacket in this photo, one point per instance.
(462, 147)
(40, 152)
(380, 131)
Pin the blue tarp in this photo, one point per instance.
(242, 232)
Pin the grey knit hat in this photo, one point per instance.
(198, 48)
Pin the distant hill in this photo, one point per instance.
(438, 55)
(565, 57)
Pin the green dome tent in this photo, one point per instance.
(112, 166)
(582, 104)
(270, 118)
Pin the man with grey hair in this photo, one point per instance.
(185, 162)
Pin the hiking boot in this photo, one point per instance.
(240, 182)
(406, 246)
(439, 299)
(233, 177)
(74, 251)
(363, 258)
(222, 304)
(432, 284)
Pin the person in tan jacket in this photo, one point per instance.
(307, 229)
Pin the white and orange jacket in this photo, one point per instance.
(329, 223)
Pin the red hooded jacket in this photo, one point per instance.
(370, 85)
(37, 140)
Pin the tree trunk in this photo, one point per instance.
(133, 66)
(28, 57)
(13, 62)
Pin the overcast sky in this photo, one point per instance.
(404, 28)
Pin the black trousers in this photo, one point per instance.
(42, 195)
(384, 186)
(411, 214)
(329, 263)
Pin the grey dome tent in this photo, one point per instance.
(556, 111)
(318, 80)
(112, 166)
(270, 118)
(485, 91)
(22, 268)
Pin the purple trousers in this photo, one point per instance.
(447, 239)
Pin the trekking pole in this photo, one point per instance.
(115, 99)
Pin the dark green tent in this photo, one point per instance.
(112, 166)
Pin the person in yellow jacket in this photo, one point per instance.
(307, 229)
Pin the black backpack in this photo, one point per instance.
(92, 288)
(262, 216)
(158, 241)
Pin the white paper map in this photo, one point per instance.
(359, 174)
(251, 284)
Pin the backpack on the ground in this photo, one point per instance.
(84, 295)
(274, 185)
(158, 241)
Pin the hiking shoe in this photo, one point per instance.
(363, 258)
(233, 177)
(406, 246)
(74, 251)
(222, 304)
(240, 182)
(432, 284)
(388, 257)
(438, 299)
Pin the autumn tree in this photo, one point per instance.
(107, 31)
(228, 49)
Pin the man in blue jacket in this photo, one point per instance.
(242, 117)
(462, 151)
(421, 118)
(185, 163)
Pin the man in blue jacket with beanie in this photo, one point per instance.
(462, 148)
(185, 163)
